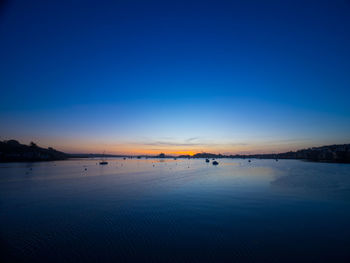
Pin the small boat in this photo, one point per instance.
(207, 160)
(103, 161)
(215, 163)
(249, 161)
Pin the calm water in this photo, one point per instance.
(181, 211)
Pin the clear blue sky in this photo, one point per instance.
(182, 76)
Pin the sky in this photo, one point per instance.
(179, 77)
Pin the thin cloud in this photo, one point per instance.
(192, 139)
(168, 143)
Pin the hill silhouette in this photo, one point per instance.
(13, 151)
(339, 153)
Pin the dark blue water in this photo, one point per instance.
(177, 211)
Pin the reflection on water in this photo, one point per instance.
(175, 210)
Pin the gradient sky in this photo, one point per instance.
(175, 76)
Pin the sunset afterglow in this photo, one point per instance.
(174, 81)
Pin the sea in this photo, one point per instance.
(174, 210)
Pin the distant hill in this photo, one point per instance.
(339, 153)
(92, 155)
(13, 151)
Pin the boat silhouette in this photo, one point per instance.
(103, 161)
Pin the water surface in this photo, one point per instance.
(161, 210)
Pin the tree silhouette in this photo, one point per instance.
(32, 144)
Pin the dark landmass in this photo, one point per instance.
(92, 155)
(209, 155)
(13, 151)
(332, 153)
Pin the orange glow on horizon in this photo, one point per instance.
(156, 152)
(118, 148)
